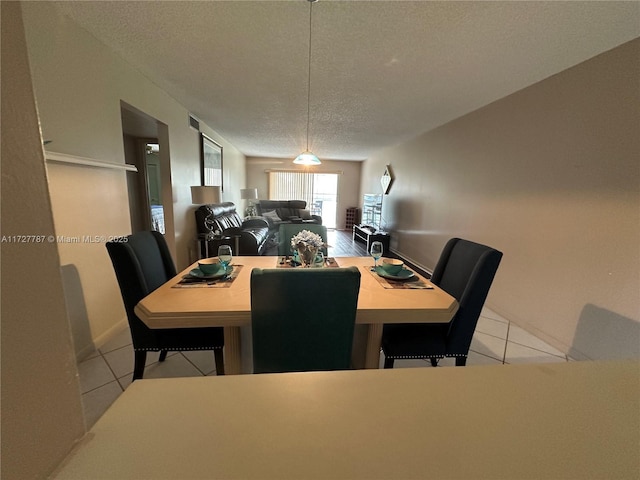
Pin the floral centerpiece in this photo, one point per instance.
(307, 244)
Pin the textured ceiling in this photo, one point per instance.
(382, 71)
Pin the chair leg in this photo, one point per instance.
(461, 361)
(388, 362)
(434, 362)
(163, 355)
(219, 357)
(140, 358)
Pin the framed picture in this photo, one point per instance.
(211, 161)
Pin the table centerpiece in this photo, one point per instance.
(307, 244)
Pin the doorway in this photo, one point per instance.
(143, 147)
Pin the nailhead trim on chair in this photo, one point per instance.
(175, 349)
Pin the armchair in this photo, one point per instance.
(288, 230)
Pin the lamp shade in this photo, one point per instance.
(205, 195)
(249, 193)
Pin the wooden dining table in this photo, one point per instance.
(229, 306)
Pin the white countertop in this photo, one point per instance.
(575, 420)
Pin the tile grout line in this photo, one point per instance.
(485, 355)
(538, 350)
(506, 343)
(110, 381)
(194, 365)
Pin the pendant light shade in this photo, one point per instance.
(307, 157)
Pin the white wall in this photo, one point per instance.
(550, 176)
(79, 84)
(348, 183)
(41, 409)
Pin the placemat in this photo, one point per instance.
(288, 262)
(191, 282)
(412, 284)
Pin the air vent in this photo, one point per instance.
(194, 122)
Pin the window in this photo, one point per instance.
(319, 190)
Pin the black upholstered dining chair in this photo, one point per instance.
(303, 319)
(142, 263)
(465, 271)
(288, 230)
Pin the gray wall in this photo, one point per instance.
(549, 175)
(41, 409)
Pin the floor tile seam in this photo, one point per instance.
(489, 334)
(485, 355)
(104, 385)
(486, 317)
(492, 315)
(506, 343)
(111, 370)
(103, 352)
(537, 349)
(118, 380)
(194, 365)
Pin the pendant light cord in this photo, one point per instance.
(309, 74)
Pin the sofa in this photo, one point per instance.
(215, 221)
(277, 212)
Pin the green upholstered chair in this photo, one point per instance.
(288, 230)
(303, 319)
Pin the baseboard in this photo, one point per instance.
(85, 353)
(100, 340)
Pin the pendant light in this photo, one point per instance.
(307, 157)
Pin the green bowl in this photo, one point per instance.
(392, 266)
(209, 268)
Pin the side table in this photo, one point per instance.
(368, 235)
(207, 246)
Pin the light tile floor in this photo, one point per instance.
(107, 372)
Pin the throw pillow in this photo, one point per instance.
(304, 214)
(271, 215)
(286, 213)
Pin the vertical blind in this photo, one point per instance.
(291, 186)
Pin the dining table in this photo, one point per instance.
(227, 303)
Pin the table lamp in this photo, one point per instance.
(205, 195)
(249, 194)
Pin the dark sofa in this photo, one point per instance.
(277, 212)
(252, 234)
